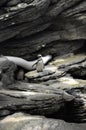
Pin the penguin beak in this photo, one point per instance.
(39, 56)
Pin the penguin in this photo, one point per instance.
(39, 64)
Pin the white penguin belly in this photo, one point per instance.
(40, 66)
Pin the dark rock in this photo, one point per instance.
(55, 27)
(43, 24)
(78, 71)
(7, 70)
(81, 7)
(13, 2)
(2, 2)
(49, 99)
(76, 68)
(40, 101)
(54, 48)
(4, 113)
(78, 111)
(27, 1)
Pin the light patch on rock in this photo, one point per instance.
(48, 70)
(22, 5)
(71, 58)
(68, 80)
(22, 94)
(19, 117)
(57, 61)
(1, 17)
(17, 93)
(52, 68)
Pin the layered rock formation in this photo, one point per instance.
(38, 25)
(47, 27)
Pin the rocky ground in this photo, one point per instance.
(24, 122)
(55, 98)
(58, 95)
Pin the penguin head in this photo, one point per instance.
(39, 55)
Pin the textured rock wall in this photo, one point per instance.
(42, 26)
(56, 27)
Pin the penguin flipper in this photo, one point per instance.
(34, 64)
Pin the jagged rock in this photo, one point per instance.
(40, 25)
(7, 69)
(74, 60)
(78, 71)
(78, 106)
(25, 94)
(13, 2)
(24, 121)
(42, 101)
(48, 72)
(77, 67)
(50, 27)
(65, 65)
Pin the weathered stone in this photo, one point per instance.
(77, 67)
(7, 70)
(55, 27)
(40, 25)
(24, 122)
(48, 71)
(13, 2)
(45, 102)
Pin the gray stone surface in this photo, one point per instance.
(55, 27)
(21, 121)
(40, 25)
(7, 69)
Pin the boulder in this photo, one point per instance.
(24, 122)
